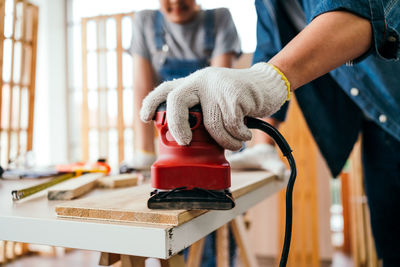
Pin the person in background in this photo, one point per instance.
(172, 43)
(361, 96)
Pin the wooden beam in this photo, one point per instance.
(120, 90)
(74, 188)
(122, 180)
(85, 105)
(196, 253)
(107, 259)
(132, 261)
(222, 246)
(10, 116)
(175, 261)
(2, 18)
(22, 70)
(239, 232)
(35, 19)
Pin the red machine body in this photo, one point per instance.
(201, 164)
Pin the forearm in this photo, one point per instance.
(329, 41)
(143, 78)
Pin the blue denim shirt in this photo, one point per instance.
(373, 82)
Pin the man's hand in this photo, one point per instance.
(226, 97)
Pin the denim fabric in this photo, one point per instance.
(381, 163)
(372, 84)
(177, 68)
(364, 97)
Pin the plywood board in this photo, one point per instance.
(75, 187)
(122, 180)
(130, 204)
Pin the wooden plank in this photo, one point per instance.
(22, 70)
(132, 261)
(10, 113)
(115, 181)
(175, 261)
(120, 88)
(239, 232)
(2, 18)
(196, 253)
(130, 204)
(75, 187)
(304, 250)
(85, 104)
(35, 19)
(222, 246)
(107, 259)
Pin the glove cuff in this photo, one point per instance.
(272, 71)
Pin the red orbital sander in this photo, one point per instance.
(190, 177)
(197, 176)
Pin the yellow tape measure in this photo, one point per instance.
(20, 194)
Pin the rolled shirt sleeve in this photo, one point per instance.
(385, 36)
(226, 36)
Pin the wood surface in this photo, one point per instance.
(362, 244)
(132, 261)
(246, 255)
(196, 253)
(107, 259)
(115, 181)
(304, 249)
(130, 204)
(222, 246)
(177, 260)
(75, 187)
(85, 91)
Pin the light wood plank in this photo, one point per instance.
(21, 71)
(75, 187)
(2, 17)
(239, 232)
(304, 249)
(175, 261)
(10, 111)
(222, 246)
(107, 259)
(130, 204)
(115, 181)
(35, 19)
(120, 121)
(196, 253)
(85, 105)
(132, 261)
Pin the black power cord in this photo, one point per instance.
(287, 152)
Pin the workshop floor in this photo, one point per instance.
(84, 258)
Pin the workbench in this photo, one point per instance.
(33, 220)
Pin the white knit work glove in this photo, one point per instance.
(226, 97)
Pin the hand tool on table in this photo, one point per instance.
(197, 176)
(65, 172)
